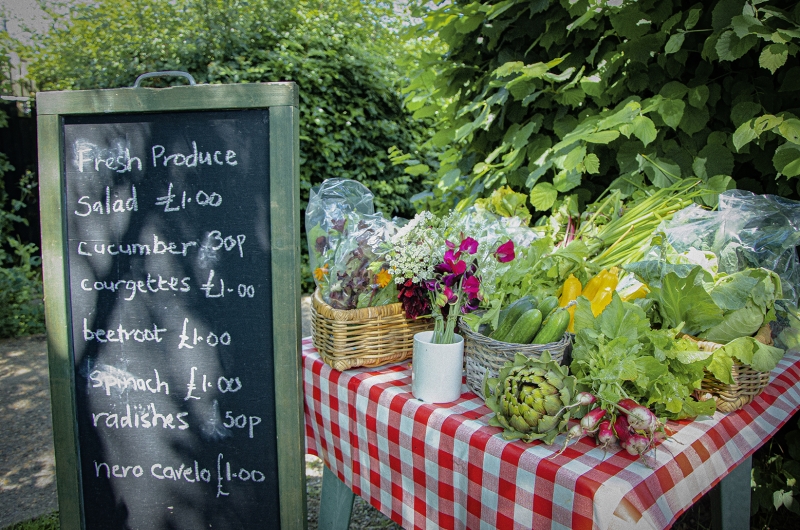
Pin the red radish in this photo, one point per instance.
(637, 445)
(576, 431)
(642, 419)
(592, 419)
(605, 436)
(622, 430)
(627, 404)
(581, 399)
(587, 425)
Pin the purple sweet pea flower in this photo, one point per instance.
(459, 267)
(471, 285)
(471, 305)
(452, 298)
(468, 245)
(505, 252)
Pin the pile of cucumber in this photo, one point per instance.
(525, 321)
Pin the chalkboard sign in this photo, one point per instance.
(172, 262)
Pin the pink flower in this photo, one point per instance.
(468, 245)
(452, 298)
(452, 263)
(505, 252)
(471, 285)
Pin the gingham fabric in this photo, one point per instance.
(441, 466)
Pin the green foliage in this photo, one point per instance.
(774, 480)
(45, 522)
(341, 53)
(562, 98)
(21, 307)
(21, 294)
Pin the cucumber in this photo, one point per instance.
(525, 327)
(553, 328)
(510, 314)
(548, 305)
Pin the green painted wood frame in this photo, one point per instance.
(282, 100)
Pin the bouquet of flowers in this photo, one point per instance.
(436, 276)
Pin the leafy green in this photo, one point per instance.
(539, 269)
(749, 351)
(684, 301)
(617, 355)
(737, 323)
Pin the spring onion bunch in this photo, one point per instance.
(625, 237)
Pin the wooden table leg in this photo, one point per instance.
(336, 502)
(730, 499)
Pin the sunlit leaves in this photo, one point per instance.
(543, 195)
(644, 129)
(773, 57)
(787, 159)
(646, 91)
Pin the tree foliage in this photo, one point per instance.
(341, 53)
(559, 99)
(21, 307)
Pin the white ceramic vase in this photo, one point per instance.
(437, 369)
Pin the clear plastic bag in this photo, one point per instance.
(747, 230)
(358, 276)
(346, 244)
(326, 216)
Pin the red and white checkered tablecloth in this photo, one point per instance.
(432, 466)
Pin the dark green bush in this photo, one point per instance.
(21, 307)
(776, 471)
(341, 53)
(559, 99)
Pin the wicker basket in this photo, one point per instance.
(747, 382)
(483, 354)
(372, 336)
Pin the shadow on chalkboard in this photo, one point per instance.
(170, 297)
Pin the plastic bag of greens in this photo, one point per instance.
(747, 231)
(326, 216)
(358, 275)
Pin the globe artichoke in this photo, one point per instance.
(529, 398)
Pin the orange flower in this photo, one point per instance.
(321, 272)
(383, 278)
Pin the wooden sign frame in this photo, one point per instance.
(282, 101)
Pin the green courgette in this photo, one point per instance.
(548, 305)
(553, 328)
(525, 327)
(510, 314)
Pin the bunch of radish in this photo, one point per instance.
(634, 426)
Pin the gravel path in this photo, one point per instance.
(27, 461)
(27, 465)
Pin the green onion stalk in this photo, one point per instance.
(625, 239)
